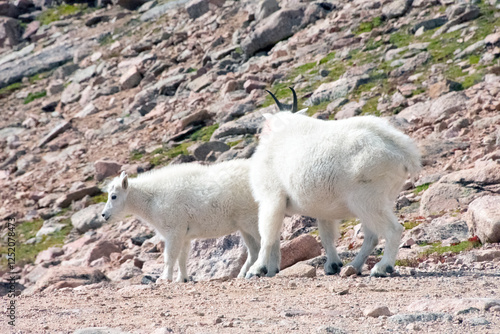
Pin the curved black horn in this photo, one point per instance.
(280, 105)
(294, 104)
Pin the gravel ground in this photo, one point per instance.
(441, 302)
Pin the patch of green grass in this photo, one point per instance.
(472, 79)
(370, 107)
(336, 71)
(316, 108)
(26, 230)
(178, 150)
(33, 96)
(101, 198)
(302, 69)
(161, 156)
(421, 188)
(10, 89)
(234, 143)
(369, 25)
(411, 224)
(55, 14)
(400, 39)
(204, 134)
(407, 263)
(136, 155)
(371, 44)
(474, 59)
(458, 248)
(327, 58)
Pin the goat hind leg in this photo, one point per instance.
(184, 253)
(253, 246)
(392, 233)
(171, 253)
(328, 232)
(369, 243)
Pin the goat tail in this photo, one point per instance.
(412, 159)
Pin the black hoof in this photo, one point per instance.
(262, 271)
(334, 268)
(389, 269)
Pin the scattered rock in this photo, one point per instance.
(377, 311)
(88, 218)
(197, 8)
(300, 269)
(302, 248)
(105, 168)
(483, 218)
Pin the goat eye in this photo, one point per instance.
(113, 197)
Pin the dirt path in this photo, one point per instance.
(324, 304)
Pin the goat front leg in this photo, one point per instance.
(271, 215)
(171, 253)
(182, 275)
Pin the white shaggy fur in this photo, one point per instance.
(190, 201)
(331, 170)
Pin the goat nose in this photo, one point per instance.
(103, 215)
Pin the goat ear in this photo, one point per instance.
(302, 111)
(124, 179)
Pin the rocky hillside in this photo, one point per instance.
(90, 89)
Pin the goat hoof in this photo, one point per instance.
(259, 272)
(389, 269)
(333, 268)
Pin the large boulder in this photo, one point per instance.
(130, 4)
(105, 168)
(266, 8)
(331, 91)
(197, 8)
(395, 9)
(88, 218)
(483, 218)
(302, 248)
(10, 32)
(271, 30)
(62, 277)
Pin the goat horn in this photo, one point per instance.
(294, 104)
(280, 105)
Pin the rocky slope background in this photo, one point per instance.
(89, 89)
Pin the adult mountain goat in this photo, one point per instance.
(330, 170)
(190, 201)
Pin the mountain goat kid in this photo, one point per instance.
(331, 170)
(190, 201)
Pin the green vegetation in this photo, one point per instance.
(328, 57)
(136, 155)
(10, 89)
(101, 198)
(319, 107)
(33, 96)
(421, 188)
(161, 156)
(234, 143)
(411, 224)
(26, 253)
(106, 40)
(400, 39)
(436, 248)
(55, 14)
(370, 107)
(204, 134)
(474, 59)
(472, 79)
(369, 25)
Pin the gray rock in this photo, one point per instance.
(458, 14)
(76, 195)
(10, 32)
(126, 271)
(248, 124)
(351, 109)
(420, 317)
(439, 229)
(266, 8)
(274, 28)
(71, 93)
(45, 60)
(130, 4)
(49, 227)
(202, 151)
(395, 9)
(430, 24)
(334, 90)
(202, 82)
(84, 74)
(169, 86)
(56, 131)
(144, 101)
(197, 8)
(471, 49)
(158, 11)
(483, 218)
(88, 218)
(377, 311)
(88, 110)
(478, 321)
(411, 64)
